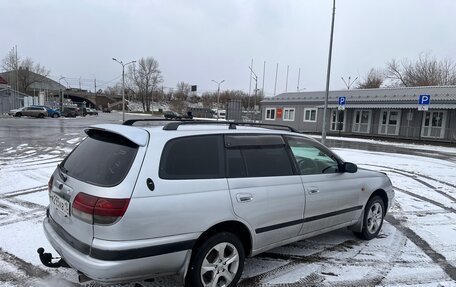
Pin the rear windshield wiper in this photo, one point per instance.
(62, 172)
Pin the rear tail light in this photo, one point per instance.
(50, 182)
(99, 210)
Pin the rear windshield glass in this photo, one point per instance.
(102, 159)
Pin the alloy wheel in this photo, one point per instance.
(220, 265)
(374, 218)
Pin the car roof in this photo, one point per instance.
(140, 134)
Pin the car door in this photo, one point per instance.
(27, 111)
(266, 191)
(332, 196)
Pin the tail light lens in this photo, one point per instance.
(99, 210)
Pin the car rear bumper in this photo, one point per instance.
(120, 265)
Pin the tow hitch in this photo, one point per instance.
(46, 259)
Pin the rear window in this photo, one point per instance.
(257, 156)
(259, 161)
(196, 157)
(102, 159)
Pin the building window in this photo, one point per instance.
(361, 121)
(270, 114)
(337, 120)
(289, 114)
(310, 115)
(434, 124)
(389, 122)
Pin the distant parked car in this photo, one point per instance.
(91, 112)
(170, 115)
(189, 116)
(54, 113)
(16, 112)
(39, 112)
(70, 112)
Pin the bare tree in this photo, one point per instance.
(24, 71)
(144, 78)
(113, 90)
(208, 99)
(426, 71)
(10, 63)
(180, 96)
(373, 80)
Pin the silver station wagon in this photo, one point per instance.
(195, 198)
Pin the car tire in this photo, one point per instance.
(208, 264)
(55, 115)
(41, 116)
(18, 115)
(374, 214)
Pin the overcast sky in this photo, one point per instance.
(204, 40)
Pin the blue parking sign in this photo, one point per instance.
(424, 100)
(342, 101)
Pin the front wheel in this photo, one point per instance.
(18, 115)
(373, 218)
(217, 262)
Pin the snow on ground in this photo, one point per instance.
(397, 144)
(416, 246)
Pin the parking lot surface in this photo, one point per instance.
(416, 246)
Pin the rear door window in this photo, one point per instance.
(195, 157)
(102, 159)
(257, 156)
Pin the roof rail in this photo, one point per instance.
(231, 125)
(173, 125)
(272, 126)
(132, 121)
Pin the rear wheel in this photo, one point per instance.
(41, 116)
(18, 115)
(217, 262)
(373, 218)
(55, 115)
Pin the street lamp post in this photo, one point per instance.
(61, 93)
(328, 75)
(349, 83)
(255, 78)
(218, 95)
(123, 85)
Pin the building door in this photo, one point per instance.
(337, 120)
(389, 122)
(433, 124)
(361, 121)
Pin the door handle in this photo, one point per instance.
(313, 189)
(244, 197)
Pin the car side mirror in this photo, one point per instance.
(349, 167)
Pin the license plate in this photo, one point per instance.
(60, 204)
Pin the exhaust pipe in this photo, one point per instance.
(46, 259)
